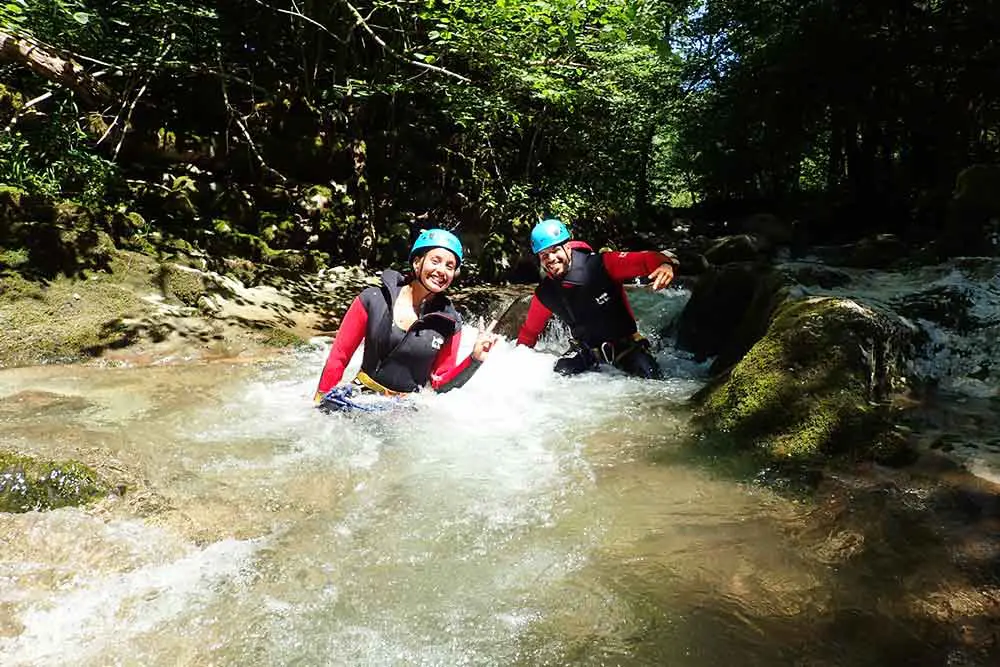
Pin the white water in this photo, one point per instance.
(961, 363)
(965, 361)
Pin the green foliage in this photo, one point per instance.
(469, 113)
(873, 106)
(485, 115)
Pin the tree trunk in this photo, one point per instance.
(642, 206)
(46, 61)
(363, 202)
(835, 151)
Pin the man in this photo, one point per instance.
(585, 289)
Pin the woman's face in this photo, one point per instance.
(436, 269)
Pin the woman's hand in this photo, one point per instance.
(661, 276)
(484, 343)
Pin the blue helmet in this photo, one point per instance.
(548, 233)
(436, 238)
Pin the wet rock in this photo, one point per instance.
(181, 284)
(482, 304)
(770, 227)
(28, 484)
(815, 384)
(880, 251)
(822, 276)
(511, 319)
(41, 403)
(840, 546)
(738, 248)
(728, 311)
(692, 263)
(947, 305)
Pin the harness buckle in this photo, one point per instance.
(611, 351)
(607, 352)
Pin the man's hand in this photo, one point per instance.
(661, 276)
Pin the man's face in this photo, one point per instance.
(555, 260)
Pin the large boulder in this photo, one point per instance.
(770, 227)
(815, 384)
(737, 248)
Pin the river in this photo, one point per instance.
(527, 519)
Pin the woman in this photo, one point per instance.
(411, 330)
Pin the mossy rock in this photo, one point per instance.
(10, 202)
(815, 384)
(280, 337)
(737, 248)
(28, 484)
(66, 319)
(58, 248)
(13, 258)
(181, 284)
(10, 99)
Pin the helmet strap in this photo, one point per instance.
(417, 266)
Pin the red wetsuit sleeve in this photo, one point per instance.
(349, 336)
(534, 323)
(623, 266)
(445, 368)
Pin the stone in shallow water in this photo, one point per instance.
(28, 484)
(815, 384)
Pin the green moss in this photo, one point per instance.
(182, 285)
(28, 484)
(14, 287)
(11, 97)
(10, 195)
(63, 320)
(13, 257)
(278, 337)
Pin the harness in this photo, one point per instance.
(339, 399)
(613, 351)
(592, 304)
(364, 381)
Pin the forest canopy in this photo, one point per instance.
(339, 128)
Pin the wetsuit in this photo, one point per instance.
(400, 361)
(591, 300)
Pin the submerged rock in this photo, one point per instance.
(816, 383)
(28, 484)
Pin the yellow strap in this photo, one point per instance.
(368, 382)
